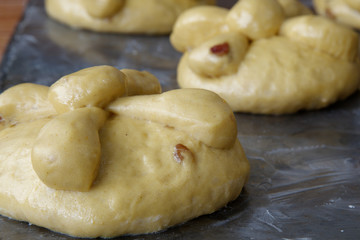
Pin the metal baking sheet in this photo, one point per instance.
(305, 168)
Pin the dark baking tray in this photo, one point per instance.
(305, 168)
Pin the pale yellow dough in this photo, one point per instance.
(262, 61)
(121, 16)
(84, 167)
(343, 11)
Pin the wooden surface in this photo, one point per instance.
(10, 13)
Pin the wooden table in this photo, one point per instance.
(10, 13)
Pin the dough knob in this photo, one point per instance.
(256, 18)
(67, 151)
(219, 56)
(25, 101)
(141, 82)
(200, 113)
(293, 8)
(323, 35)
(197, 25)
(103, 8)
(354, 4)
(90, 87)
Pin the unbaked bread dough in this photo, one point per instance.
(121, 16)
(259, 61)
(293, 8)
(343, 11)
(89, 157)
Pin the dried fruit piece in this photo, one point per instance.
(330, 14)
(221, 49)
(220, 55)
(179, 151)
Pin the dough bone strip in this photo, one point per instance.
(185, 110)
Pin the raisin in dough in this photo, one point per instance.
(262, 62)
(343, 11)
(122, 16)
(102, 153)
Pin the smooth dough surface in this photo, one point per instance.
(343, 11)
(308, 63)
(152, 174)
(131, 16)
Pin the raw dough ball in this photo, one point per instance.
(102, 8)
(343, 11)
(122, 16)
(305, 62)
(293, 8)
(69, 145)
(130, 165)
(256, 18)
(90, 87)
(197, 25)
